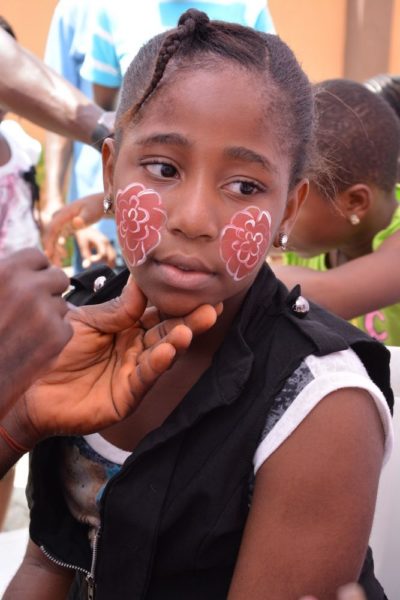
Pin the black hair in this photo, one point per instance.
(198, 43)
(4, 24)
(388, 87)
(357, 134)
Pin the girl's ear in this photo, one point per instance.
(294, 203)
(108, 155)
(355, 202)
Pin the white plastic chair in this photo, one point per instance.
(385, 535)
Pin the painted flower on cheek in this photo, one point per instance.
(139, 216)
(245, 240)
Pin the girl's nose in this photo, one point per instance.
(194, 211)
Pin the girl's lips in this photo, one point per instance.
(184, 274)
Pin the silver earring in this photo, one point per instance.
(107, 204)
(283, 240)
(354, 219)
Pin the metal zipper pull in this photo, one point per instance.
(90, 587)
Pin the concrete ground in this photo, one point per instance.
(14, 537)
(18, 516)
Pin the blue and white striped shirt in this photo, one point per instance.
(120, 28)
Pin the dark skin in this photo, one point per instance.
(116, 353)
(5, 153)
(68, 221)
(31, 89)
(206, 170)
(93, 246)
(39, 333)
(324, 227)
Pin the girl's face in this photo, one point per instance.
(200, 189)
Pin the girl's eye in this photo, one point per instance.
(246, 188)
(161, 169)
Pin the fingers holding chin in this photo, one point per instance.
(201, 319)
(152, 364)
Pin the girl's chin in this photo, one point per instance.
(175, 308)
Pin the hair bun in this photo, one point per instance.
(193, 19)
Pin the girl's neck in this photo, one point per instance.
(210, 341)
(174, 384)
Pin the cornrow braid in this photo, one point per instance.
(188, 23)
(200, 44)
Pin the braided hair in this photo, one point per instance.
(198, 43)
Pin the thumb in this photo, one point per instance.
(116, 314)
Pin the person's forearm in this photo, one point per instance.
(39, 579)
(34, 91)
(106, 97)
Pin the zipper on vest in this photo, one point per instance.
(90, 587)
(63, 564)
(89, 575)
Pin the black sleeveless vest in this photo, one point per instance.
(173, 518)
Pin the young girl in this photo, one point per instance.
(347, 237)
(250, 468)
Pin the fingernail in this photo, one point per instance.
(219, 308)
(351, 591)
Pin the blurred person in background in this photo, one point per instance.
(71, 160)
(118, 29)
(345, 244)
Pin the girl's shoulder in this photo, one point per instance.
(314, 379)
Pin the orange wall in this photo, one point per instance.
(394, 55)
(315, 30)
(30, 21)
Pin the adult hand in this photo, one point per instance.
(95, 247)
(71, 218)
(113, 358)
(33, 329)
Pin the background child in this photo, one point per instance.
(254, 461)
(19, 153)
(388, 87)
(347, 235)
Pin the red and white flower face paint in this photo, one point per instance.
(139, 216)
(244, 242)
